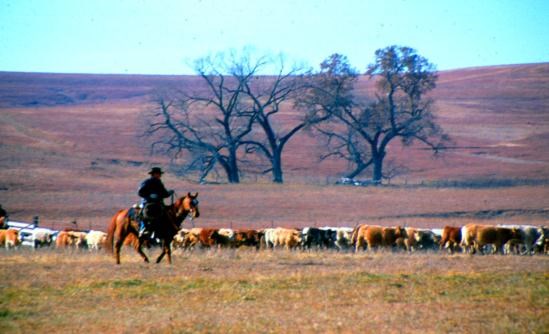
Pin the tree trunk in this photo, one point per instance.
(378, 166)
(232, 168)
(277, 167)
(359, 169)
(232, 174)
(233, 177)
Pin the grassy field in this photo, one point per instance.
(72, 149)
(247, 291)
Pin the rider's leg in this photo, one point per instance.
(144, 229)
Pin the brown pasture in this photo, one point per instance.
(70, 150)
(244, 291)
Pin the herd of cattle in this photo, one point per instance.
(471, 238)
(44, 237)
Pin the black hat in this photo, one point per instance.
(156, 170)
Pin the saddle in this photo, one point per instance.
(134, 213)
(152, 212)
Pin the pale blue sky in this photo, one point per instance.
(161, 37)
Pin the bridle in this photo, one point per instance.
(182, 211)
(192, 209)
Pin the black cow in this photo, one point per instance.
(319, 238)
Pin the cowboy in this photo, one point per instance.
(151, 191)
(3, 215)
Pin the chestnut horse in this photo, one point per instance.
(123, 223)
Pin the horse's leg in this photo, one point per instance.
(166, 250)
(161, 256)
(117, 246)
(168, 246)
(115, 238)
(139, 249)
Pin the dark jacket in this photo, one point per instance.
(152, 190)
(3, 222)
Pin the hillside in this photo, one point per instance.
(72, 138)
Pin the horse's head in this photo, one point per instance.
(186, 205)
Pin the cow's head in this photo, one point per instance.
(542, 235)
(298, 237)
(400, 232)
(516, 233)
(15, 239)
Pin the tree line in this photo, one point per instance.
(233, 117)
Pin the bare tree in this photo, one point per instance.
(208, 124)
(346, 145)
(267, 97)
(331, 92)
(399, 109)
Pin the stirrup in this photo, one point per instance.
(144, 232)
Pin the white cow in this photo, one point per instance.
(227, 233)
(179, 238)
(36, 237)
(96, 240)
(529, 235)
(270, 237)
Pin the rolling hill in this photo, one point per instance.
(79, 135)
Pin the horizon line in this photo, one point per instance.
(195, 74)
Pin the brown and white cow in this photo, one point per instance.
(75, 239)
(420, 239)
(179, 238)
(451, 238)
(224, 237)
(9, 238)
(286, 237)
(525, 243)
(187, 239)
(249, 238)
(208, 237)
(377, 236)
(477, 236)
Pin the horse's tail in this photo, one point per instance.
(110, 233)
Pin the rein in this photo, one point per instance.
(187, 213)
(184, 213)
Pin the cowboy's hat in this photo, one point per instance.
(156, 170)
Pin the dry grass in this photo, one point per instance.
(79, 157)
(248, 291)
(264, 205)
